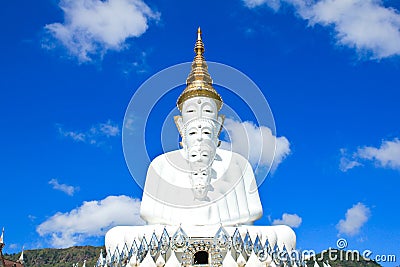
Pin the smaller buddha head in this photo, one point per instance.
(204, 110)
(200, 141)
(200, 180)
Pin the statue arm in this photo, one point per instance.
(253, 198)
(149, 204)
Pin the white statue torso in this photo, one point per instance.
(168, 198)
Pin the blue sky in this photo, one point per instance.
(329, 70)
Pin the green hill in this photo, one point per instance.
(50, 257)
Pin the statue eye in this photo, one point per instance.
(204, 174)
(192, 133)
(208, 111)
(207, 132)
(190, 110)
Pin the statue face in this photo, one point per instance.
(199, 107)
(200, 156)
(200, 192)
(200, 180)
(200, 131)
(200, 143)
(201, 177)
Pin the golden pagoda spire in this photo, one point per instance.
(199, 82)
(199, 47)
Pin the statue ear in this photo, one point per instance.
(220, 119)
(179, 124)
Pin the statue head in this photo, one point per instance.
(199, 100)
(200, 141)
(199, 123)
(200, 180)
(199, 108)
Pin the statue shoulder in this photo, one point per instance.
(170, 164)
(166, 158)
(227, 155)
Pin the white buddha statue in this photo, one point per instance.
(197, 188)
(200, 184)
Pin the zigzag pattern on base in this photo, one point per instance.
(175, 246)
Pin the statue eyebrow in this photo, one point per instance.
(190, 106)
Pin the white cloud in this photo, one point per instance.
(347, 164)
(92, 27)
(108, 129)
(67, 189)
(365, 25)
(257, 144)
(76, 136)
(96, 135)
(386, 156)
(356, 217)
(13, 246)
(274, 4)
(292, 220)
(32, 217)
(91, 219)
